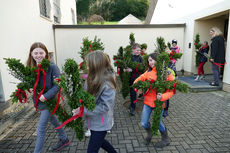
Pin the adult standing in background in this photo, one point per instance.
(217, 53)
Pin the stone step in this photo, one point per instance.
(201, 85)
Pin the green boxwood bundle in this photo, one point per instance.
(89, 46)
(122, 61)
(197, 45)
(160, 85)
(70, 82)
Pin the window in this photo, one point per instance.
(57, 11)
(73, 16)
(44, 8)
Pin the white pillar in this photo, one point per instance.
(226, 79)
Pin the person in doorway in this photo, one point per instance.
(217, 54)
(202, 60)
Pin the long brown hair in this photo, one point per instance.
(99, 72)
(153, 56)
(30, 61)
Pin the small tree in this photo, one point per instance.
(89, 46)
(197, 45)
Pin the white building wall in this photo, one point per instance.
(21, 25)
(191, 29)
(188, 38)
(226, 80)
(202, 27)
(66, 6)
(69, 40)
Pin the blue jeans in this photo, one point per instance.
(97, 141)
(215, 70)
(41, 129)
(146, 112)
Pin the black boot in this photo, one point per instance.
(149, 136)
(132, 111)
(164, 140)
(165, 114)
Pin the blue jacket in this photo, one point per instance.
(201, 52)
(52, 73)
(100, 118)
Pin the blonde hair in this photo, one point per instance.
(216, 31)
(99, 71)
(30, 61)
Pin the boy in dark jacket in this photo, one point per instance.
(136, 57)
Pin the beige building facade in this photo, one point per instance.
(201, 22)
(24, 22)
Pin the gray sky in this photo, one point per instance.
(168, 10)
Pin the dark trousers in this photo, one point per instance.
(166, 105)
(215, 70)
(97, 141)
(133, 97)
(173, 67)
(222, 70)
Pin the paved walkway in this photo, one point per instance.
(197, 123)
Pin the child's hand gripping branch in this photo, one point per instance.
(76, 111)
(139, 92)
(127, 70)
(159, 96)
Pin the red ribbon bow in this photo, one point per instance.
(18, 94)
(171, 55)
(118, 72)
(81, 64)
(91, 50)
(219, 64)
(174, 88)
(74, 117)
(136, 72)
(58, 100)
(36, 83)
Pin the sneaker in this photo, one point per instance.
(88, 133)
(197, 78)
(61, 144)
(213, 84)
(201, 77)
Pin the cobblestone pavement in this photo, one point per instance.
(197, 123)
